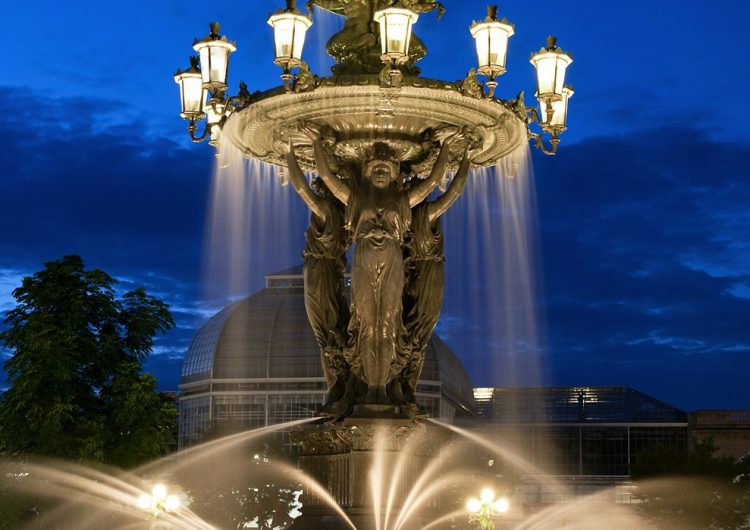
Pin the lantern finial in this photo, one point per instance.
(289, 30)
(491, 40)
(191, 91)
(395, 33)
(214, 51)
(551, 64)
(195, 62)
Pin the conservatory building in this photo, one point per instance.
(256, 363)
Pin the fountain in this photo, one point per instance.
(381, 139)
(394, 493)
(371, 459)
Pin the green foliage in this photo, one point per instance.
(693, 489)
(699, 460)
(11, 509)
(76, 388)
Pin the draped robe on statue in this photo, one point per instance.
(423, 298)
(378, 220)
(325, 303)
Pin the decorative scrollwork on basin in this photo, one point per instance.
(344, 105)
(355, 436)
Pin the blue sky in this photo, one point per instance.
(644, 217)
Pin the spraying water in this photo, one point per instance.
(401, 499)
(255, 222)
(491, 314)
(254, 225)
(111, 496)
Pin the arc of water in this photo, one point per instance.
(315, 486)
(103, 492)
(586, 513)
(433, 467)
(102, 488)
(445, 518)
(398, 475)
(208, 449)
(376, 477)
(433, 488)
(516, 461)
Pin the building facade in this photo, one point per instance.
(729, 430)
(580, 431)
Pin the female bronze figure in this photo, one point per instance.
(423, 295)
(323, 273)
(377, 219)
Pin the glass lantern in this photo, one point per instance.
(550, 63)
(491, 39)
(289, 31)
(214, 115)
(214, 51)
(558, 122)
(395, 32)
(192, 96)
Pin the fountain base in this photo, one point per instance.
(369, 464)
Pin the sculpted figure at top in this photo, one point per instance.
(356, 47)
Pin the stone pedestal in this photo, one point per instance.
(358, 460)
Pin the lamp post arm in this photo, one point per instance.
(539, 143)
(446, 200)
(335, 185)
(537, 138)
(299, 182)
(192, 127)
(534, 116)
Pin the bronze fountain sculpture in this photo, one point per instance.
(381, 138)
(373, 354)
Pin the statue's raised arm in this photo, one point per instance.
(422, 190)
(440, 205)
(299, 182)
(335, 185)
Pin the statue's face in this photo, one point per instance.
(381, 175)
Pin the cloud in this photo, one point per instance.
(74, 184)
(77, 180)
(645, 246)
(646, 242)
(10, 279)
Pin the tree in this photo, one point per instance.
(77, 390)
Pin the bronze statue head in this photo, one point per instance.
(381, 166)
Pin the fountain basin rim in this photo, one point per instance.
(361, 111)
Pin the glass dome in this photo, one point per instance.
(257, 363)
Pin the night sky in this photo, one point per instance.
(644, 214)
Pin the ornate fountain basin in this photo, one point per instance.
(357, 110)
